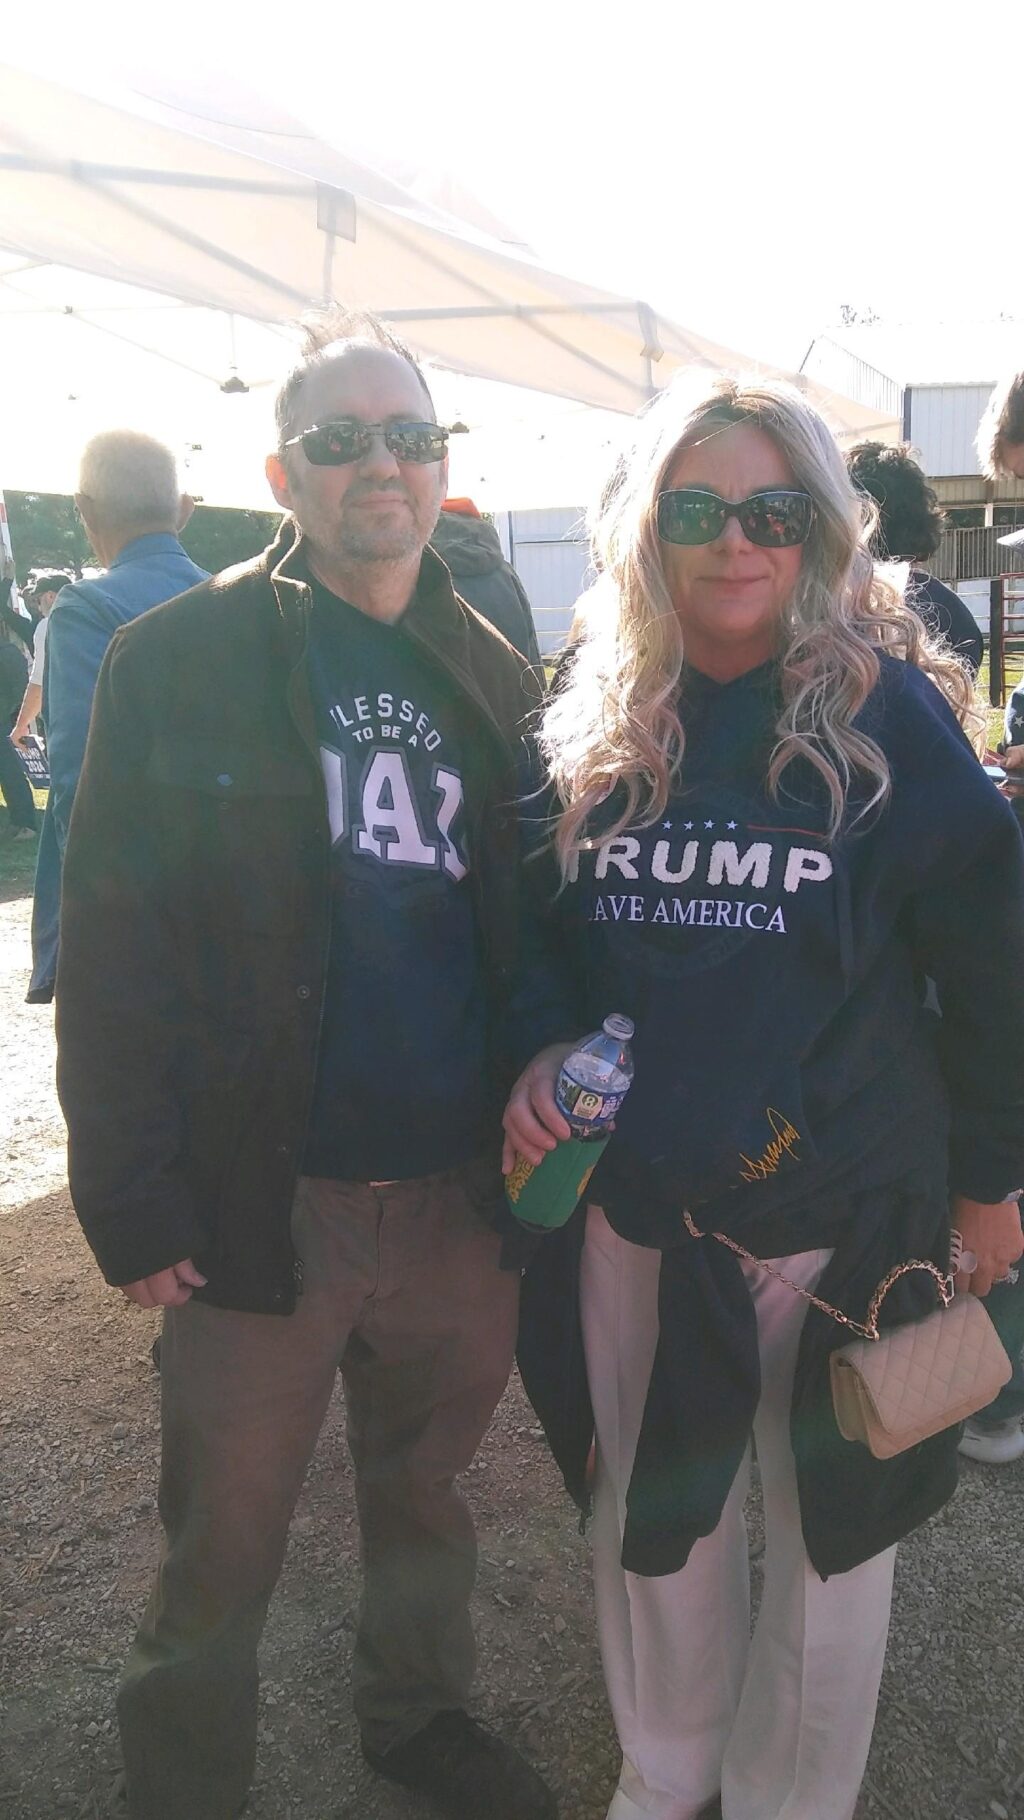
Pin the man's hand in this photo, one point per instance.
(19, 731)
(993, 1233)
(166, 1288)
(532, 1121)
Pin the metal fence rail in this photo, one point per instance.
(972, 554)
(1006, 633)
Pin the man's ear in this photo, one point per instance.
(444, 480)
(186, 507)
(277, 479)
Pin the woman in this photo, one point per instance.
(909, 529)
(768, 826)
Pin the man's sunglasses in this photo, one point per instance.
(335, 445)
(775, 520)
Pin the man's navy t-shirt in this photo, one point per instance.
(401, 1087)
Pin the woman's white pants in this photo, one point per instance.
(780, 1722)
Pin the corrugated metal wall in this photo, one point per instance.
(551, 556)
(943, 423)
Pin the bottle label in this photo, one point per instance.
(585, 1105)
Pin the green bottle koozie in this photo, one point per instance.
(543, 1195)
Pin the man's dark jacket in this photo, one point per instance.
(196, 915)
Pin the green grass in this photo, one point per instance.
(18, 857)
(1014, 676)
(17, 867)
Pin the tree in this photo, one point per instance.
(218, 536)
(850, 315)
(46, 533)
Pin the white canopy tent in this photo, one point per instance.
(212, 198)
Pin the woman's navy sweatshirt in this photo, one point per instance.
(775, 977)
(789, 1090)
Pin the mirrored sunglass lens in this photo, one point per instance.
(689, 517)
(334, 444)
(776, 521)
(416, 441)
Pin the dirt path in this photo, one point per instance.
(78, 1538)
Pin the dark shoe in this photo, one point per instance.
(467, 1771)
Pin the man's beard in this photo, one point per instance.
(389, 542)
(370, 537)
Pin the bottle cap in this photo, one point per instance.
(618, 1026)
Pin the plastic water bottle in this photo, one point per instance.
(592, 1085)
(595, 1079)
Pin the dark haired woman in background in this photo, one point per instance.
(909, 529)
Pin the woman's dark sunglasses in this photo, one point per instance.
(775, 520)
(335, 445)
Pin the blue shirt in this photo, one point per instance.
(84, 618)
(401, 1088)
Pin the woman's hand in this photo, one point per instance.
(532, 1121)
(993, 1233)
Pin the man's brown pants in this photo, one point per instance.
(402, 1290)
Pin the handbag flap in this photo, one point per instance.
(925, 1376)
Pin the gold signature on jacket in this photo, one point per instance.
(784, 1140)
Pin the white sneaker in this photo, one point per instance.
(994, 1445)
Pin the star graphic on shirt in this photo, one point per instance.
(709, 824)
(687, 826)
(1018, 720)
(730, 824)
(666, 824)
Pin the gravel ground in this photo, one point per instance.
(78, 1539)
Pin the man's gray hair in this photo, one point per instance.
(130, 479)
(329, 332)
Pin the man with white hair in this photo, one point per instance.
(132, 507)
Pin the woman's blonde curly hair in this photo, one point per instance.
(615, 723)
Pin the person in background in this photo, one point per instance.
(45, 590)
(766, 823)
(470, 547)
(291, 928)
(995, 1436)
(1000, 440)
(909, 529)
(22, 818)
(21, 626)
(133, 509)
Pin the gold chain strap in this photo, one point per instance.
(869, 1330)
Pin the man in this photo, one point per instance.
(21, 809)
(1001, 431)
(290, 922)
(45, 590)
(133, 508)
(472, 552)
(20, 626)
